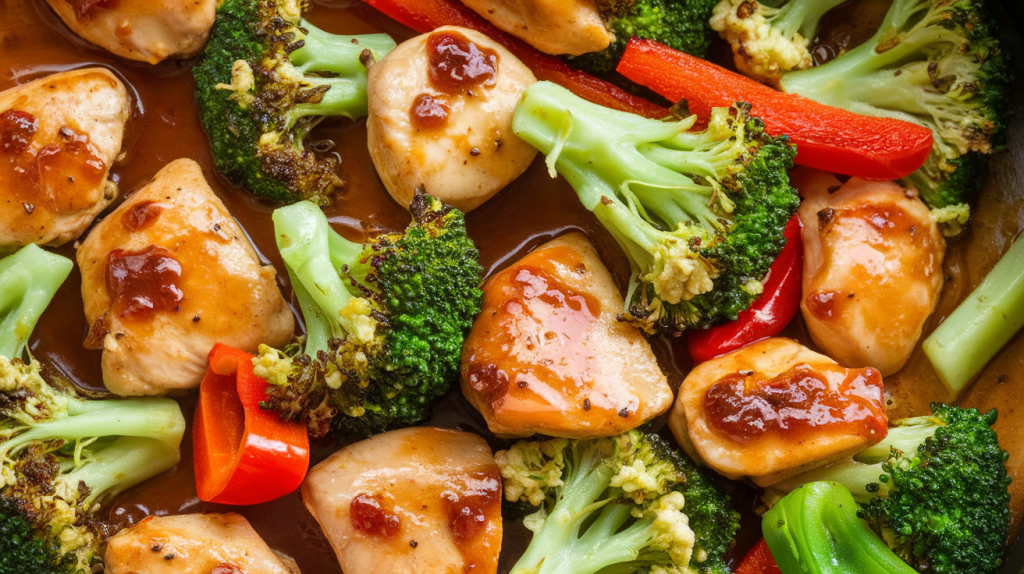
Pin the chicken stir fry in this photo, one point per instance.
(59, 136)
(161, 278)
(571, 27)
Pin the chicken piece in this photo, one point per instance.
(166, 276)
(548, 354)
(440, 116)
(193, 544)
(872, 269)
(59, 136)
(557, 27)
(145, 30)
(410, 501)
(775, 408)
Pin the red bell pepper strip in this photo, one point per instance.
(243, 454)
(426, 15)
(826, 138)
(770, 313)
(759, 561)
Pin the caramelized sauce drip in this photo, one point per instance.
(16, 131)
(84, 8)
(428, 112)
(801, 400)
(456, 63)
(368, 514)
(142, 283)
(227, 568)
(826, 305)
(469, 508)
(141, 215)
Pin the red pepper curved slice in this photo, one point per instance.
(826, 138)
(759, 561)
(243, 454)
(770, 313)
(425, 15)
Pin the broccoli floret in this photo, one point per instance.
(769, 40)
(935, 490)
(265, 80)
(935, 63)
(60, 456)
(621, 504)
(680, 24)
(700, 215)
(385, 321)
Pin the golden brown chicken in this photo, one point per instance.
(59, 136)
(166, 276)
(547, 354)
(410, 501)
(558, 27)
(775, 408)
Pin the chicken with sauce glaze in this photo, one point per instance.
(872, 268)
(167, 275)
(571, 27)
(775, 408)
(145, 30)
(441, 108)
(412, 501)
(548, 355)
(59, 135)
(193, 544)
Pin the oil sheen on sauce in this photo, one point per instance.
(805, 399)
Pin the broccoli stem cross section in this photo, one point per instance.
(28, 281)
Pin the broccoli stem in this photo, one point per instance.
(801, 16)
(28, 281)
(128, 461)
(815, 530)
(981, 325)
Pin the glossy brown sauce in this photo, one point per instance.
(16, 131)
(428, 112)
(798, 402)
(140, 216)
(469, 509)
(532, 210)
(457, 64)
(143, 283)
(368, 514)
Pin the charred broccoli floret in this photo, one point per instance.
(700, 215)
(625, 504)
(266, 79)
(385, 321)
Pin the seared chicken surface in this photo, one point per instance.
(166, 276)
(548, 355)
(570, 27)
(193, 544)
(775, 408)
(59, 136)
(872, 269)
(440, 116)
(144, 30)
(410, 501)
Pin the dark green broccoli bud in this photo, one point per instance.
(680, 24)
(265, 80)
(700, 215)
(385, 321)
(626, 504)
(935, 490)
(936, 63)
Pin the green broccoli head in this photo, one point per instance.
(680, 24)
(22, 551)
(385, 320)
(935, 490)
(936, 63)
(700, 215)
(625, 504)
(265, 80)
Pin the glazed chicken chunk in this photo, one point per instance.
(774, 408)
(558, 27)
(410, 501)
(440, 116)
(144, 30)
(548, 355)
(193, 544)
(872, 269)
(166, 276)
(59, 136)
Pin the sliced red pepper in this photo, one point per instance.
(827, 138)
(770, 313)
(426, 15)
(243, 454)
(759, 561)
